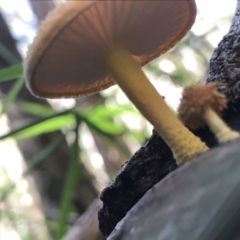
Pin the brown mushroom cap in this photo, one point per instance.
(195, 100)
(65, 59)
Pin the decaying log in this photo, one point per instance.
(154, 160)
(198, 201)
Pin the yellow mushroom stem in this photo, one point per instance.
(222, 132)
(131, 79)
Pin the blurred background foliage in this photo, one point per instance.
(57, 155)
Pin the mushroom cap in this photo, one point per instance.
(65, 59)
(195, 100)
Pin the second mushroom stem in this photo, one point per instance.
(131, 79)
(218, 126)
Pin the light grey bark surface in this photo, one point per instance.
(199, 201)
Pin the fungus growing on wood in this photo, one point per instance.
(201, 105)
(87, 46)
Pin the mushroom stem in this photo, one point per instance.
(219, 127)
(125, 71)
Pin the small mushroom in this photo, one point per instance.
(87, 46)
(202, 104)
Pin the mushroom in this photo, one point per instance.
(83, 45)
(202, 104)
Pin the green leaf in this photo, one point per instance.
(11, 73)
(102, 117)
(43, 125)
(108, 112)
(35, 108)
(72, 177)
(139, 136)
(103, 125)
(108, 126)
(12, 94)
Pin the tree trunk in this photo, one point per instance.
(224, 65)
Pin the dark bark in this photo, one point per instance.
(154, 160)
(149, 165)
(225, 61)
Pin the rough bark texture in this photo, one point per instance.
(140, 173)
(154, 160)
(225, 61)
